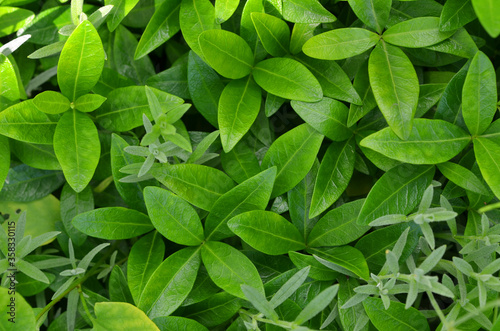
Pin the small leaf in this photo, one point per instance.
(224, 9)
(373, 13)
(51, 102)
(258, 300)
(396, 317)
(487, 155)
(273, 32)
(306, 11)
(89, 102)
(463, 177)
(416, 32)
(317, 304)
(121, 315)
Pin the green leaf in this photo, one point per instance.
(144, 258)
(456, 14)
(338, 227)
(344, 259)
(430, 142)
(288, 79)
(203, 147)
(351, 317)
(173, 217)
(13, 19)
(124, 107)
(239, 105)
(479, 94)
(173, 80)
(373, 13)
(259, 301)
(397, 192)
(51, 102)
(333, 80)
(9, 89)
(229, 268)
(487, 153)
(489, 15)
(199, 185)
(429, 95)
(163, 25)
(463, 177)
(396, 317)
(240, 163)
(224, 9)
(113, 223)
(89, 102)
(362, 86)
(24, 315)
(81, 62)
(48, 50)
(320, 302)
(289, 287)
(178, 323)
(227, 53)
(267, 232)
(215, 310)
(171, 283)
(118, 288)
(340, 44)
(195, 17)
(395, 86)
(327, 116)
(293, 154)
(306, 11)
(4, 159)
(334, 175)
(121, 8)
(416, 32)
(73, 204)
(273, 32)
(460, 44)
(121, 315)
(318, 271)
(35, 155)
(24, 122)
(301, 33)
(77, 147)
(252, 194)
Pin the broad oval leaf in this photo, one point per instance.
(267, 232)
(171, 283)
(239, 105)
(288, 79)
(293, 154)
(373, 13)
(178, 323)
(195, 17)
(430, 142)
(198, 184)
(273, 32)
(122, 316)
(72, 204)
(398, 191)
(35, 155)
(9, 88)
(121, 8)
(396, 317)
(306, 11)
(456, 14)
(24, 122)
(224, 9)
(479, 94)
(252, 194)
(173, 217)
(51, 102)
(487, 155)
(14, 19)
(488, 13)
(227, 53)
(462, 177)
(89, 102)
(240, 163)
(327, 116)
(81, 62)
(229, 268)
(24, 315)
(416, 32)
(113, 223)
(77, 147)
(395, 86)
(334, 175)
(340, 44)
(346, 257)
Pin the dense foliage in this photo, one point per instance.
(253, 165)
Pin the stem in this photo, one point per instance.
(84, 303)
(435, 305)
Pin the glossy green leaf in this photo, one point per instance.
(430, 142)
(227, 53)
(198, 184)
(9, 89)
(224, 9)
(171, 283)
(203, 147)
(77, 147)
(144, 258)
(81, 62)
(460, 44)
(338, 227)
(489, 15)
(398, 191)
(455, 14)
(267, 232)
(373, 13)
(396, 317)
(4, 159)
(334, 175)
(173, 217)
(352, 317)
(195, 17)
(301, 33)
(178, 323)
(163, 25)
(368, 103)
(24, 122)
(113, 223)
(51, 102)
(35, 155)
(13, 19)
(487, 156)
(89, 102)
(252, 194)
(340, 44)
(395, 86)
(416, 32)
(429, 95)
(215, 310)
(463, 177)
(306, 11)
(24, 316)
(239, 105)
(273, 32)
(288, 79)
(327, 116)
(479, 94)
(118, 288)
(73, 204)
(173, 80)
(240, 163)
(293, 154)
(317, 270)
(229, 268)
(121, 315)
(344, 259)
(121, 8)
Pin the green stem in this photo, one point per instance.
(84, 303)
(435, 305)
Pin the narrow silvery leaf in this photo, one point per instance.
(258, 300)
(463, 266)
(289, 287)
(317, 304)
(11, 46)
(432, 260)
